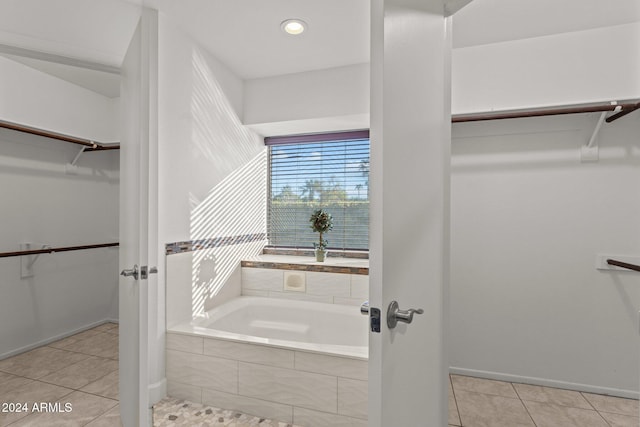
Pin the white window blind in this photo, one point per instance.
(322, 171)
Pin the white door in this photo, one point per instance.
(409, 229)
(137, 216)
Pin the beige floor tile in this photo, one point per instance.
(9, 382)
(615, 405)
(551, 395)
(485, 410)
(101, 344)
(617, 420)
(109, 419)
(73, 338)
(30, 393)
(40, 362)
(84, 409)
(104, 327)
(481, 385)
(106, 386)
(82, 373)
(454, 417)
(114, 330)
(550, 415)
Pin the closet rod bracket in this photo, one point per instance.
(77, 157)
(27, 261)
(72, 168)
(590, 151)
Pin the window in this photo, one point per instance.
(323, 171)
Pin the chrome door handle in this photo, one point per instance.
(131, 273)
(395, 315)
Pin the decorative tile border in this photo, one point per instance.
(309, 252)
(306, 267)
(194, 245)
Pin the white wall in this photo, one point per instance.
(33, 98)
(585, 66)
(314, 101)
(528, 219)
(212, 169)
(201, 139)
(44, 205)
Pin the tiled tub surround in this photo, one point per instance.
(294, 361)
(335, 281)
(300, 387)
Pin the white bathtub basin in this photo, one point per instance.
(300, 325)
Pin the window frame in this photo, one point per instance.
(270, 141)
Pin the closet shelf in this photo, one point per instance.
(89, 144)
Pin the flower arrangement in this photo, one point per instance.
(321, 222)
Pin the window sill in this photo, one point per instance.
(332, 253)
(308, 263)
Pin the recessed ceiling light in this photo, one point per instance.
(293, 26)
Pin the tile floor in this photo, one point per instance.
(79, 372)
(475, 402)
(82, 370)
(171, 412)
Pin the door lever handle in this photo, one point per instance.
(395, 315)
(130, 272)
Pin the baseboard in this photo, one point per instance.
(54, 338)
(630, 394)
(157, 391)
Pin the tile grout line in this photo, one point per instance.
(455, 399)
(79, 352)
(524, 404)
(594, 408)
(202, 389)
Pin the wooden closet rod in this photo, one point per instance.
(52, 250)
(92, 145)
(626, 109)
(622, 113)
(623, 264)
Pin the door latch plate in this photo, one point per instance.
(374, 316)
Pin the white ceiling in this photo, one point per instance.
(246, 35)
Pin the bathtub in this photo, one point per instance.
(298, 362)
(291, 324)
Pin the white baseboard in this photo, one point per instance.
(54, 338)
(630, 394)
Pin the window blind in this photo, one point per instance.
(322, 171)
